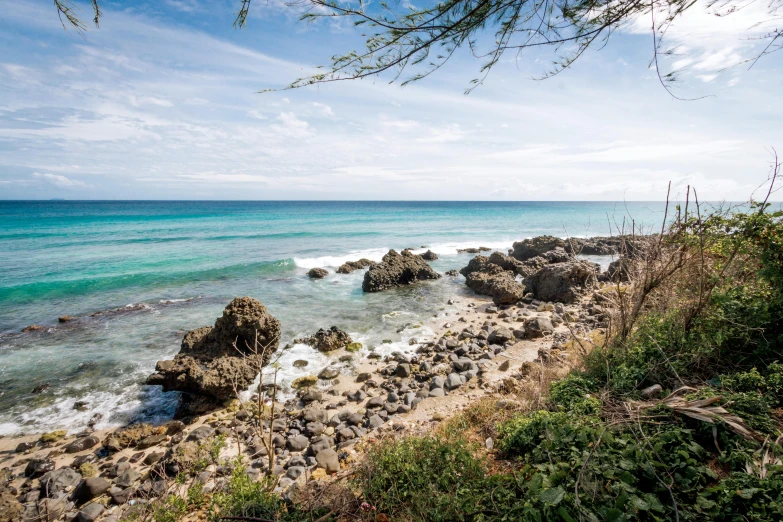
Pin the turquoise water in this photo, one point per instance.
(158, 269)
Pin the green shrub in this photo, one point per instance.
(574, 394)
(424, 478)
(245, 497)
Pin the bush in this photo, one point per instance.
(573, 395)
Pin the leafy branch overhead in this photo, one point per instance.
(416, 41)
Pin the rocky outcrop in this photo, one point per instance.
(619, 269)
(397, 269)
(317, 273)
(327, 340)
(351, 266)
(536, 246)
(473, 250)
(213, 361)
(497, 283)
(429, 255)
(562, 282)
(601, 246)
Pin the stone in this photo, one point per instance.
(90, 512)
(536, 327)
(201, 433)
(351, 266)
(327, 340)
(37, 467)
(55, 483)
(24, 446)
(152, 440)
(91, 488)
(127, 479)
(453, 381)
(300, 363)
(497, 283)
(652, 391)
(397, 269)
(294, 472)
(403, 370)
(209, 366)
(317, 273)
(429, 255)
(501, 335)
(563, 282)
(327, 374)
(65, 318)
(297, 443)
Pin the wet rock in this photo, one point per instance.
(33, 328)
(397, 270)
(327, 374)
(317, 273)
(300, 363)
(65, 318)
(41, 388)
(208, 365)
(328, 340)
(429, 255)
(351, 266)
(80, 406)
(563, 282)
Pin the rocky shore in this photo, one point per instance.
(530, 304)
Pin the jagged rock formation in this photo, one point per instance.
(214, 361)
(397, 269)
(317, 273)
(327, 340)
(351, 266)
(562, 282)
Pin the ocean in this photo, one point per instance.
(137, 275)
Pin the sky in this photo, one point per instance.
(163, 102)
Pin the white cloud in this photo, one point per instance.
(292, 126)
(256, 114)
(58, 180)
(325, 109)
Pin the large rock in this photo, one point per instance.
(529, 248)
(429, 255)
(602, 246)
(317, 273)
(493, 281)
(56, 483)
(351, 266)
(328, 340)
(562, 282)
(215, 361)
(397, 269)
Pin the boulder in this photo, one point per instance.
(351, 266)
(91, 488)
(619, 269)
(501, 336)
(397, 269)
(55, 483)
(602, 246)
(317, 273)
(538, 327)
(500, 284)
(81, 444)
(563, 282)
(10, 508)
(529, 248)
(214, 361)
(327, 340)
(328, 460)
(429, 255)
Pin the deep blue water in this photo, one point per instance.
(180, 262)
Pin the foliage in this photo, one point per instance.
(575, 394)
(246, 497)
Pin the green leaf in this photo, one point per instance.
(552, 496)
(564, 514)
(639, 504)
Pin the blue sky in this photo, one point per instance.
(162, 103)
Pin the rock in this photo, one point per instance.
(397, 270)
(121, 496)
(127, 479)
(317, 273)
(300, 363)
(297, 443)
(89, 513)
(602, 246)
(328, 340)
(501, 336)
(350, 266)
(619, 269)
(451, 273)
(33, 328)
(327, 374)
(328, 460)
(65, 318)
(403, 370)
(91, 488)
(24, 446)
(55, 483)
(429, 255)
(538, 327)
(81, 444)
(504, 366)
(453, 381)
(201, 433)
(563, 282)
(652, 391)
(305, 381)
(209, 366)
(80, 405)
(529, 248)
(153, 458)
(500, 284)
(37, 467)
(53, 436)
